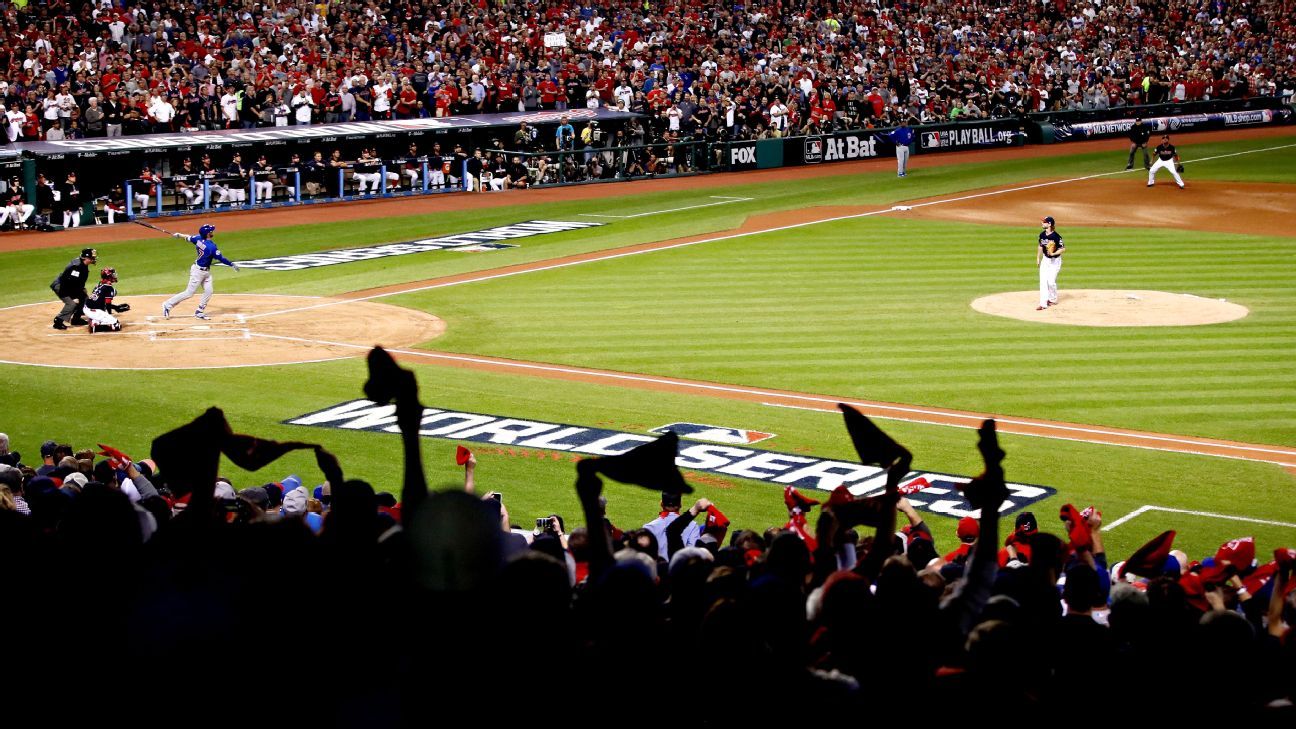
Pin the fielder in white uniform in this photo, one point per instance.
(200, 271)
(1048, 258)
(1167, 158)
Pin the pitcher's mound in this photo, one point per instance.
(245, 330)
(1116, 308)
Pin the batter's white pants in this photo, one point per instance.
(902, 159)
(1049, 269)
(1168, 164)
(20, 213)
(262, 190)
(197, 277)
(71, 218)
(100, 317)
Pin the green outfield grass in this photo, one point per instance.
(1119, 480)
(871, 308)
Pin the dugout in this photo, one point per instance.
(104, 163)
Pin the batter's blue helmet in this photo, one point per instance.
(206, 230)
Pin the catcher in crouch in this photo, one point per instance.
(99, 306)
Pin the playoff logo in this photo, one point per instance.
(814, 150)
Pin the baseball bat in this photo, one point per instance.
(152, 227)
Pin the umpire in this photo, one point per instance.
(70, 286)
(1138, 136)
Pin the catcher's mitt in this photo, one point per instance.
(1179, 167)
(123, 307)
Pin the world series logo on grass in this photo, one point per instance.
(481, 240)
(941, 496)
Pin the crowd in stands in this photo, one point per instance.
(701, 69)
(153, 588)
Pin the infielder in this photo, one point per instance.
(1048, 258)
(99, 307)
(902, 136)
(1168, 158)
(200, 271)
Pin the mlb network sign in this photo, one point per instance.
(784, 469)
(479, 240)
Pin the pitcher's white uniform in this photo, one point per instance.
(1049, 264)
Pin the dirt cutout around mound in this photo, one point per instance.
(233, 337)
(1127, 201)
(1114, 308)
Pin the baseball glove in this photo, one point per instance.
(123, 307)
(1051, 247)
(1179, 167)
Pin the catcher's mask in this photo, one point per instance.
(109, 275)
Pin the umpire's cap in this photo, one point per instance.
(90, 253)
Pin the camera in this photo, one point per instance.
(543, 525)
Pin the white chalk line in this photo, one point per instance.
(730, 236)
(1210, 514)
(684, 384)
(725, 200)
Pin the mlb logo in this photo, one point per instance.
(714, 433)
(814, 150)
(931, 140)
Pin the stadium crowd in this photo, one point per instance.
(153, 588)
(704, 68)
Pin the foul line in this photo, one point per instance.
(488, 276)
(725, 200)
(1148, 507)
(1076, 432)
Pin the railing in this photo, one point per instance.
(209, 191)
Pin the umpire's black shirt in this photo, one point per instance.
(1139, 133)
(72, 282)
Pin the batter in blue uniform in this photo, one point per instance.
(200, 271)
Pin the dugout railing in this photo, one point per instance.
(214, 191)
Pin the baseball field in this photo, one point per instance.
(1161, 389)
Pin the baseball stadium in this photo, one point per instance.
(1030, 387)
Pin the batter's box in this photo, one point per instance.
(200, 333)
